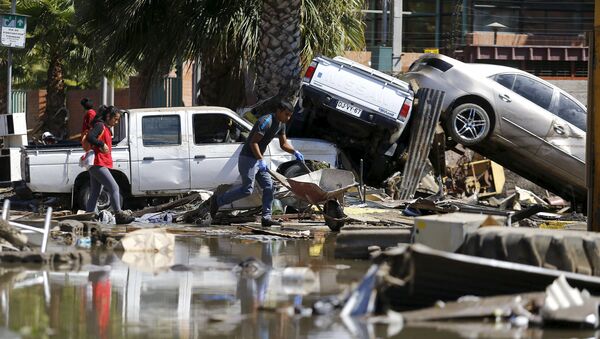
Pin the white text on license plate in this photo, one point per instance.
(342, 106)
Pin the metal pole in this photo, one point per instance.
(397, 37)
(593, 127)
(13, 10)
(362, 183)
(438, 22)
(384, 23)
(104, 91)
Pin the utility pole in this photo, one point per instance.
(13, 10)
(593, 127)
(384, 23)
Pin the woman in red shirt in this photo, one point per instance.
(88, 116)
(100, 137)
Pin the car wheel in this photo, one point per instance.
(295, 170)
(103, 200)
(469, 124)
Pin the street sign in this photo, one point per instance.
(13, 30)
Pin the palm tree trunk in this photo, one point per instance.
(278, 67)
(55, 117)
(221, 83)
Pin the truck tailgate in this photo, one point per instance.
(359, 88)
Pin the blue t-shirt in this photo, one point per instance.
(268, 126)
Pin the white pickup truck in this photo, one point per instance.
(163, 152)
(362, 110)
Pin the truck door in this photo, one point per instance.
(217, 140)
(162, 156)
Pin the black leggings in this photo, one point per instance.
(100, 176)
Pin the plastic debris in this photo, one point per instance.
(298, 280)
(149, 240)
(85, 242)
(362, 299)
(105, 217)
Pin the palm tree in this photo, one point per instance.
(278, 65)
(55, 39)
(233, 38)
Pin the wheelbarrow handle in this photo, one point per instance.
(280, 178)
(305, 167)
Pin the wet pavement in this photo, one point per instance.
(200, 291)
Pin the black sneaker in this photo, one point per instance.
(123, 218)
(269, 222)
(214, 208)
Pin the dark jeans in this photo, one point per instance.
(248, 167)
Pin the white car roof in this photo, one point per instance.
(487, 70)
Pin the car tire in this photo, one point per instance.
(103, 199)
(295, 170)
(469, 124)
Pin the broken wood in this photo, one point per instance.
(12, 235)
(281, 233)
(169, 205)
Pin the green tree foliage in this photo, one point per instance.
(155, 35)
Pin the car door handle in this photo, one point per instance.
(504, 97)
(200, 157)
(559, 129)
(148, 158)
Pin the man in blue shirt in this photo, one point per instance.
(252, 165)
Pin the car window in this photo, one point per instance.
(568, 110)
(533, 91)
(217, 128)
(506, 80)
(161, 130)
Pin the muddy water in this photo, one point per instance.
(197, 292)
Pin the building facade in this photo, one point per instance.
(544, 37)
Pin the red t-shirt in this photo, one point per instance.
(88, 117)
(104, 159)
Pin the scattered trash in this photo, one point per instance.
(148, 240)
(85, 242)
(294, 234)
(165, 217)
(105, 217)
(250, 268)
(151, 262)
(298, 280)
(564, 305)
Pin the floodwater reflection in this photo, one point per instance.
(192, 292)
(201, 291)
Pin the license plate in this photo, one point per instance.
(348, 108)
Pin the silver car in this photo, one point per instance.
(514, 118)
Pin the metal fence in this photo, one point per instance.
(166, 92)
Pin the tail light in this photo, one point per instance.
(310, 71)
(405, 110)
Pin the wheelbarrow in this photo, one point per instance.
(323, 187)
